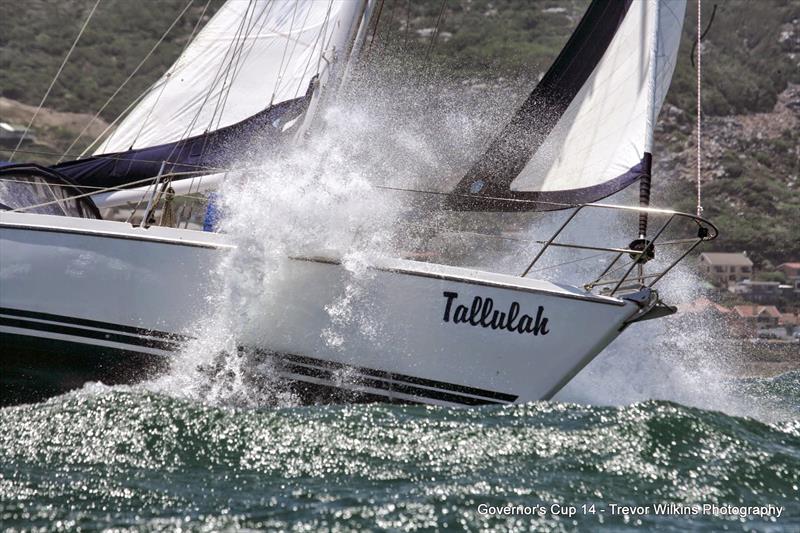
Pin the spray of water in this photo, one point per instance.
(321, 199)
(690, 357)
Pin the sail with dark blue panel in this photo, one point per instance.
(585, 132)
(206, 153)
(247, 82)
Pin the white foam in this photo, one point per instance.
(321, 196)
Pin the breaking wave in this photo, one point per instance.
(138, 460)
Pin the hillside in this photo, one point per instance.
(35, 35)
(751, 73)
(751, 164)
(55, 130)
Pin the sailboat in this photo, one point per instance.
(86, 299)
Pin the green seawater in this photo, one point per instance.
(135, 460)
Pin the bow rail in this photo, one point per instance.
(640, 251)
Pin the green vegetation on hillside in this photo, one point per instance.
(35, 36)
(747, 58)
(482, 38)
(755, 200)
(746, 63)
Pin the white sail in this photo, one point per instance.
(606, 129)
(585, 131)
(251, 55)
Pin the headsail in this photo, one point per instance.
(254, 61)
(585, 132)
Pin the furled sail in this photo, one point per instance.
(585, 132)
(253, 69)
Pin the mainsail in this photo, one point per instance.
(585, 132)
(250, 74)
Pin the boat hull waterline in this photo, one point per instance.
(92, 300)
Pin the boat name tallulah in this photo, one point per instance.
(482, 313)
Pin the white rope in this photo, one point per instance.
(124, 83)
(699, 110)
(55, 78)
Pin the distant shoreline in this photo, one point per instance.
(766, 359)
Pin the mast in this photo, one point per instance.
(342, 57)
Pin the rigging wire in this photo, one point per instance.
(303, 26)
(283, 57)
(324, 46)
(172, 175)
(312, 51)
(233, 51)
(388, 37)
(166, 77)
(55, 78)
(702, 35)
(214, 82)
(699, 107)
(375, 28)
(147, 181)
(557, 265)
(436, 29)
(110, 126)
(223, 71)
(154, 184)
(124, 83)
(250, 21)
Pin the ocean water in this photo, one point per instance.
(131, 459)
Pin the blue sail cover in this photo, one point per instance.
(209, 153)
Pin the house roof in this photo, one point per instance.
(790, 319)
(753, 311)
(789, 265)
(717, 258)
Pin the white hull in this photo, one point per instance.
(104, 287)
